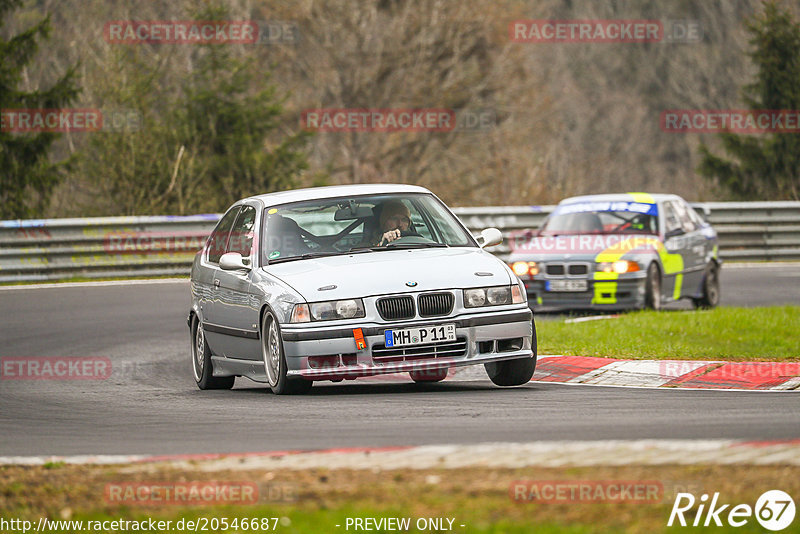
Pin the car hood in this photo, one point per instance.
(384, 272)
(583, 246)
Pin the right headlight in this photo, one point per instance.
(492, 296)
(329, 310)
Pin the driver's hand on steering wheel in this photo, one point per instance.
(390, 236)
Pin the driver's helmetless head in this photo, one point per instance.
(395, 214)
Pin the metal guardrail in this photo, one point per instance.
(58, 249)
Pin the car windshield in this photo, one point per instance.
(602, 218)
(346, 225)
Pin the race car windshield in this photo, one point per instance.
(330, 227)
(575, 219)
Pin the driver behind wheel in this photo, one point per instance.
(395, 221)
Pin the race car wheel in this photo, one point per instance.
(432, 375)
(511, 372)
(201, 362)
(275, 360)
(710, 297)
(652, 292)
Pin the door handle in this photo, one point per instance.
(216, 282)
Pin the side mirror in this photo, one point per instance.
(490, 237)
(233, 261)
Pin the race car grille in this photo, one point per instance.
(570, 269)
(555, 269)
(435, 304)
(451, 349)
(394, 308)
(578, 268)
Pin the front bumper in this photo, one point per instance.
(618, 294)
(477, 333)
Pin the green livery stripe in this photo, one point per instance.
(605, 293)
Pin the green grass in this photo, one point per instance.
(736, 334)
(477, 498)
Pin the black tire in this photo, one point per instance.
(514, 372)
(275, 360)
(511, 372)
(429, 376)
(711, 293)
(202, 366)
(652, 291)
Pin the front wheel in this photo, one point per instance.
(429, 375)
(511, 372)
(710, 297)
(201, 362)
(275, 360)
(652, 292)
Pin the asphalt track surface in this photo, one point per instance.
(150, 404)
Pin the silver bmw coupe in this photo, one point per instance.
(335, 283)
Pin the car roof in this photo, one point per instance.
(313, 193)
(622, 197)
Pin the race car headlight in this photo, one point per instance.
(474, 297)
(336, 309)
(328, 311)
(619, 267)
(521, 268)
(489, 296)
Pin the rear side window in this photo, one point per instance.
(219, 237)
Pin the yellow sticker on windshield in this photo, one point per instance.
(273, 211)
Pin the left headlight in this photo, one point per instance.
(329, 310)
(618, 267)
(492, 296)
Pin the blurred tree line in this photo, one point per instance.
(219, 122)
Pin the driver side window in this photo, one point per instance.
(219, 237)
(671, 221)
(241, 238)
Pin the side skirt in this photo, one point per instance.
(251, 369)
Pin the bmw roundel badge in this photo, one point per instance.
(411, 283)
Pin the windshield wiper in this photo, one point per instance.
(415, 245)
(396, 246)
(306, 256)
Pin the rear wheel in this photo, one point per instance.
(652, 292)
(275, 360)
(432, 375)
(710, 297)
(201, 362)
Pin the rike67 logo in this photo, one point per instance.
(774, 510)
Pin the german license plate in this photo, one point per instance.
(566, 285)
(419, 335)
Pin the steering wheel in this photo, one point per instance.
(410, 238)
